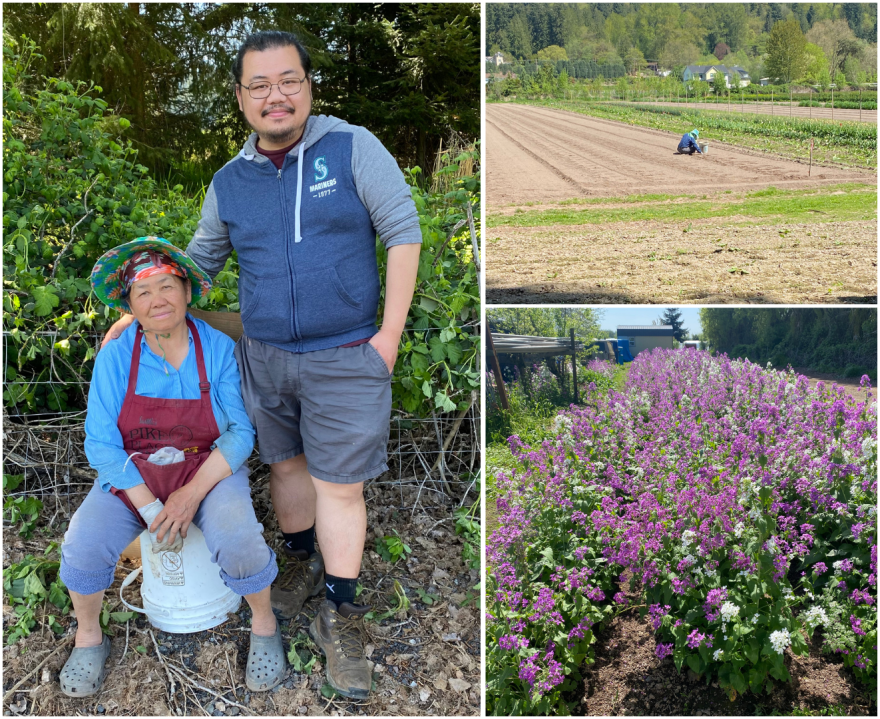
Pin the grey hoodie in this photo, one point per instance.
(305, 234)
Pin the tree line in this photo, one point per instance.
(408, 72)
(838, 340)
(786, 42)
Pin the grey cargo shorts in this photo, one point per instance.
(333, 405)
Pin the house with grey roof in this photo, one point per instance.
(707, 73)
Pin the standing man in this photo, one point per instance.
(302, 204)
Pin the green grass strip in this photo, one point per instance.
(859, 202)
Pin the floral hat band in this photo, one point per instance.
(147, 264)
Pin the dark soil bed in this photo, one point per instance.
(426, 658)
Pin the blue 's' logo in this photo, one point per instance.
(320, 169)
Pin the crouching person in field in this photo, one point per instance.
(170, 381)
(688, 144)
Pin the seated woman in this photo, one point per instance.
(169, 381)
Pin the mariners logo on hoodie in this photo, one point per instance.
(322, 185)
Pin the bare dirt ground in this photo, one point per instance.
(627, 679)
(544, 155)
(698, 262)
(778, 109)
(425, 658)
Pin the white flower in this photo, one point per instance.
(718, 653)
(780, 639)
(579, 490)
(738, 530)
(687, 537)
(837, 565)
(755, 618)
(787, 592)
(729, 610)
(815, 616)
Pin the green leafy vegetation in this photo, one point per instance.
(392, 549)
(855, 202)
(467, 526)
(166, 67)
(302, 654)
(842, 341)
(30, 586)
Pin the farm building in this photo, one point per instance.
(707, 73)
(645, 337)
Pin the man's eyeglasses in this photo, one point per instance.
(261, 90)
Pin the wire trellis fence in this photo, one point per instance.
(434, 462)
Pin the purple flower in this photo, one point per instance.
(695, 639)
(663, 650)
(856, 625)
(819, 568)
(510, 642)
(620, 598)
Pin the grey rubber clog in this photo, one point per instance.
(83, 673)
(266, 664)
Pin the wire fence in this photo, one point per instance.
(434, 462)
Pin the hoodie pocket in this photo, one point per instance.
(267, 309)
(325, 307)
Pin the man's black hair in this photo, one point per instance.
(266, 40)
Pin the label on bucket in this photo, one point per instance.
(172, 569)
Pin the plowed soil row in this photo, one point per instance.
(544, 155)
(699, 262)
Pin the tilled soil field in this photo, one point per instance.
(425, 657)
(698, 262)
(544, 155)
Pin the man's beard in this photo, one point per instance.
(280, 137)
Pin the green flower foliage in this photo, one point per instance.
(72, 189)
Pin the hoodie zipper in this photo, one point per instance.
(292, 275)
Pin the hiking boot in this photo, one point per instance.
(339, 634)
(302, 578)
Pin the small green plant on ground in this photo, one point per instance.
(392, 549)
(29, 586)
(108, 616)
(22, 511)
(302, 655)
(467, 525)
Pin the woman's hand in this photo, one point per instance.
(180, 508)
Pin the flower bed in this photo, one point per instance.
(738, 503)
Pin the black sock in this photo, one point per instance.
(301, 540)
(340, 590)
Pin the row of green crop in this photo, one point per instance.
(850, 134)
(841, 105)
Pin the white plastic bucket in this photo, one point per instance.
(704, 147)
(182, 592)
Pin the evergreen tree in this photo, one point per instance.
(672, 317)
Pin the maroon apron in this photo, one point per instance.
(150, 423)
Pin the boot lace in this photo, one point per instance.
(351, 636)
